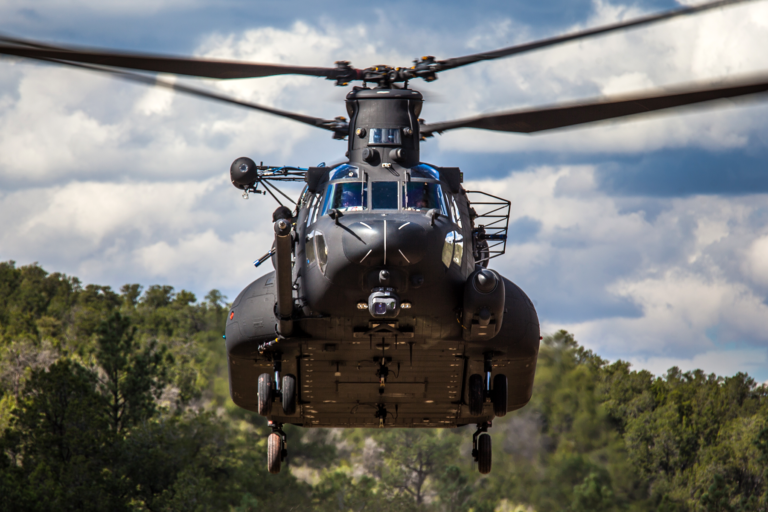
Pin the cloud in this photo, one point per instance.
(704, 49)
(675, 284)
(756, 264)
(722, 362)
(196, 235)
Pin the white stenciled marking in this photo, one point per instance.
(366, 255)
(403, 255)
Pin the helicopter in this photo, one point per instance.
(381, 310)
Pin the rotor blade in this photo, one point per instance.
(332, 125)
(561, 116)
(645, 20)
(205, 68)
(193, 91)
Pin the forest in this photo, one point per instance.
(119, 400)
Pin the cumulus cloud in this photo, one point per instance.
(722, 362)
(198, 235)
(676, 285)
(706, 49)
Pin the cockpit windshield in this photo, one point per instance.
(345, 172)
(418, 195)
(346, 197)
(384, 195)
(384, 136)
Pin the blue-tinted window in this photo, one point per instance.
(425, 171)
(345, 172)
(384, 195)
(384, 136)
(346, 197)
(419, 195)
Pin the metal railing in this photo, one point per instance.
(490, 223)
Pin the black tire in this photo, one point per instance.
(274, 452)
(484, 453)
(266, 394)
(476, 394)
(499, 395)
(289, 394)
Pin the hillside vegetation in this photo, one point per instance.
(118, 400)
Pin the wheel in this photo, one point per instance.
(476, 394)
(274, 452)
(289, 394)
(484, 453)
(499, 395)
(266, 394)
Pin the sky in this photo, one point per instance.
(646, 238)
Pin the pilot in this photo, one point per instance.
(417, 199)
(348, 199)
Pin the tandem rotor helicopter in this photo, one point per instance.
(381, 310)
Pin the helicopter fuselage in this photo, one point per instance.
(390, 306)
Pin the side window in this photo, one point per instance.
(309, 249)
(384, 195)
(311, 210)
(453, 249)
(322, 251)
(318, 205)
(345, 172)
(455, 212)
(425, 171)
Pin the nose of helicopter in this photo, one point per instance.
(374, 242)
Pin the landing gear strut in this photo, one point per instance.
(481, 391)
(481, 447)
(277, 447)
(270, 389)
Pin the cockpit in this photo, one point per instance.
(348, 191)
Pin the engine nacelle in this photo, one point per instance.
(243, 173)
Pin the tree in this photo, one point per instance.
(412, 458)
(61, 443)
(133, 378)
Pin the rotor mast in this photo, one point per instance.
(384, 125)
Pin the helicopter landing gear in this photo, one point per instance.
(476, 394)
(277, 448)
(288, 394)
(480, 390)
(481, 447)
(499, 395)
(270, 389)
(266, 394)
